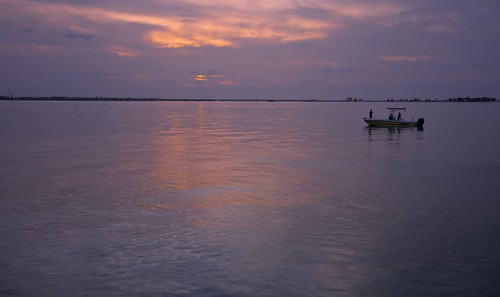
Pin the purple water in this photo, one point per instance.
(248, 199)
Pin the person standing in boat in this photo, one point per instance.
(399, 116)
(370, 114)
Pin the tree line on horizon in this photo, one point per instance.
(456, 99)
(348, 99)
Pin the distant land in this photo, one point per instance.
(348, 99)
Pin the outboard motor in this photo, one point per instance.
(420, 123)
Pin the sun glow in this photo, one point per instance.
(200, 77)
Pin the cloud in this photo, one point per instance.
(28, 50)
(441, 28)
(211, 23)
(403, 58)
(342, 70)
(312, 63)
(122, 51)
(229, 83)
(78, 35)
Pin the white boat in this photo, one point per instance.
(394, 120)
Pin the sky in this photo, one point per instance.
(251, 49)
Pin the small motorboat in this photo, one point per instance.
(395, 120)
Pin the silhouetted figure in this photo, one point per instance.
(370, 114)
(399, 116)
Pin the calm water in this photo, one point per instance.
(248, 199)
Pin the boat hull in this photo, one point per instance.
(393, 123)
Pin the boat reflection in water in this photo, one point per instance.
(392, 134)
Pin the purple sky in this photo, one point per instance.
(232, 49)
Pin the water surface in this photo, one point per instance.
(247, 199)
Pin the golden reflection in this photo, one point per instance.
(188, 158)
(203, 163)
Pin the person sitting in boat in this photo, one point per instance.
(399, 116)
(391, 117)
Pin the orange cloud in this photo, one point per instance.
(229, 31)
(122, 52)
(221, 23)
(229, 83)
(172, 40)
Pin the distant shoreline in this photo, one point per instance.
(349, 99)
(155, 99)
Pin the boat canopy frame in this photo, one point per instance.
(392, 110)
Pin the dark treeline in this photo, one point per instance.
(475, 99)
(458, 99)
(61, 98)
(348, 99)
